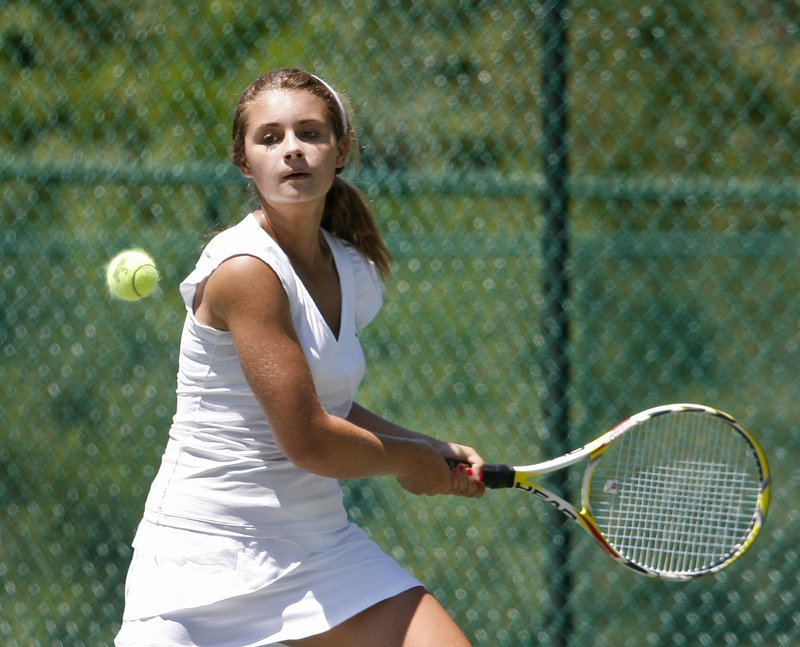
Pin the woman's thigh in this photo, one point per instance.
(413, 618)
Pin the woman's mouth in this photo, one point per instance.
(296, 175)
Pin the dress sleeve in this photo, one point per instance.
(244, 239)
(368, 291)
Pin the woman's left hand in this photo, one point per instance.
(467, 475)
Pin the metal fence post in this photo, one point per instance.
(555, 245)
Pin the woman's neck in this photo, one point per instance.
(299, 236)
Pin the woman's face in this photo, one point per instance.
(291, 152)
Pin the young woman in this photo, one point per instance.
(245, 541)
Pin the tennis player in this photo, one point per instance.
(245, 541)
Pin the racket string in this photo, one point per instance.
(676, 494)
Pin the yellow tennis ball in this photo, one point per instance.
(131, 275)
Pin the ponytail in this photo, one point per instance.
(348, 216)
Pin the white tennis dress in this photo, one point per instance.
(238, 547)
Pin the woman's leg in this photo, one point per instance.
(413, 618)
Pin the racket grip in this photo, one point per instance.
(495, 475)
(498, 475)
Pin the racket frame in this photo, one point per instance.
(524, 477)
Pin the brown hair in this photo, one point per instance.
(347, 213)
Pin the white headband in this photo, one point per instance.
(338, 101)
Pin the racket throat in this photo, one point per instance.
(554, 500)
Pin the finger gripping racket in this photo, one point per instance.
(675, 492)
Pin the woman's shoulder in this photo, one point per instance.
(242, 233)
(348, 250)
(245, 238)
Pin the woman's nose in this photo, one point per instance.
(292, 148)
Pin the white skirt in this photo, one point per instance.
(199, 590)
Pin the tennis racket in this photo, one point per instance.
(675, 492)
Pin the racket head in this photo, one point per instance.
(677, 491)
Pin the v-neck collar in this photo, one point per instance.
(343, 293)
(345, 280)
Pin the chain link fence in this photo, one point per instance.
(593, 208)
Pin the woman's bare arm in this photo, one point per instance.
(245, 296)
